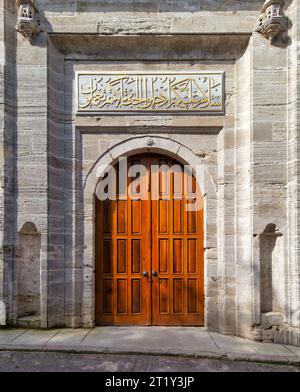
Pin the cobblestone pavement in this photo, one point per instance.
(50, 362)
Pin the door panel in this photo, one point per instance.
(122, 254)
(177, 252)
(134, 235)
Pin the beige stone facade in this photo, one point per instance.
(249, 155)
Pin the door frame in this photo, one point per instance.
(132, 145)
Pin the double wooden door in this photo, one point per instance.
(149, 248)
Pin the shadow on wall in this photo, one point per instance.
(149, 5)
(28, 275)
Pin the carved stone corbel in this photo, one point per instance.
(29, 24)
(272, 21)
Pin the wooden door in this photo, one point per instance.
(157, 236)
(177, 248)
(123, 253)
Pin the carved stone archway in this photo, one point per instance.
(130, 147)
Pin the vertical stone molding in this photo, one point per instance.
(29, 24)
(272, 21)
(2, 314)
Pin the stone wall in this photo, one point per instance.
(292, 314)
(7, 154)
(249, 155)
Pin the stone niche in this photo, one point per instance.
(271, 251)
(28, 276)
(271, 254)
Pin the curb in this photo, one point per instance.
(258, 358)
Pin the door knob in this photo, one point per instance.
(145, 274)
(154, 274)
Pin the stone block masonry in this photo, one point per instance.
(249, 153)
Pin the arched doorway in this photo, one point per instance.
(149, 247)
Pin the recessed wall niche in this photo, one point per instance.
(271, 274)
(28, 275)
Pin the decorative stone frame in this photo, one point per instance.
(74, 256)
(134, 136)
(184, 155)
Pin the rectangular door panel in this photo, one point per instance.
(107, 296)
(122, 296)
(122, 216)
(178, 296)
(164, 296)
(177, 255)
(136, 256)
(121, 256)
(163, 255)
(136, 296)
(107, 256)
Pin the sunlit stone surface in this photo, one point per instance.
(249, 152)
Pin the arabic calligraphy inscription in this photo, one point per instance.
(114, 92)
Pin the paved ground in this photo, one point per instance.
(180, 341)
(63, 362)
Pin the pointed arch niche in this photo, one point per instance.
(271, 249)
(28, 276)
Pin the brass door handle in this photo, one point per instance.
(154, 274)
(145, 274)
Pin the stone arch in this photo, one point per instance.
(29, 228)
(28, 276)
(132, 146)
(156, 144)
